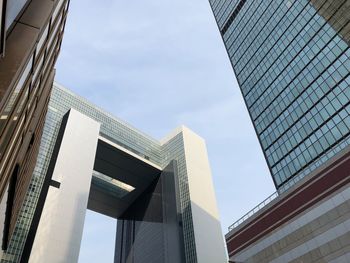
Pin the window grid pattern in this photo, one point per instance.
(309, 111)
(301, 71)
(223, 10)
(321, 65)
(293, 69)
(112, 128)
(263, 17)
(174, 150)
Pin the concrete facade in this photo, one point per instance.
(308, 223)
(30, 40)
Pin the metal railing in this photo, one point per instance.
(284, 188)
(253, 211)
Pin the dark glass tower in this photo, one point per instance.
(292, 62)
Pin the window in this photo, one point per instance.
(2, 26)
(13, 8)
(12, 101)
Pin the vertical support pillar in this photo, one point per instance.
(61, 224)
(210, 246)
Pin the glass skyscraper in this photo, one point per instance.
(292, 62)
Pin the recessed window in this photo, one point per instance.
(2, 25)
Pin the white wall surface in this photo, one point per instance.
(3, 215)
(62, 221)
(207, 228)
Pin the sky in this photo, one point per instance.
(158, 64)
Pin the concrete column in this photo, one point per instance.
(61, 224)
(210, 245)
